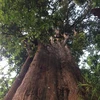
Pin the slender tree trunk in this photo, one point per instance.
(52, 75)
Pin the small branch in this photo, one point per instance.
(80, 19)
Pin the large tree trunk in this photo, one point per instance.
(52, 75)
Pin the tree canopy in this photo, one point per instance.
(24, 22)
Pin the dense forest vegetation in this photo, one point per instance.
(67, 29)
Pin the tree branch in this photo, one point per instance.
(19, 79)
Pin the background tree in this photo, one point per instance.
(26, 23)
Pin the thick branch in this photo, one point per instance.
(19, 79)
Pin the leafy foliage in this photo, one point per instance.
(79, 44)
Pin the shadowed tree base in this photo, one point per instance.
(52, 75)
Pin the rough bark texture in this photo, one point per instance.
(18, 80)
(52, 75)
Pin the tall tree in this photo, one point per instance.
(54, 29)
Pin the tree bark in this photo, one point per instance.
(52, 75)
(18, 80)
